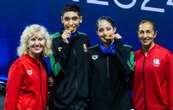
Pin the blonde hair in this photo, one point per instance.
(30, 31)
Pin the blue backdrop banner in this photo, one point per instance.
(15, 15)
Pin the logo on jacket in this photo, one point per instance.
(59, 49)
(29, 72)
(156, 62)
(94, 57)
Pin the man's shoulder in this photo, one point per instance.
(55, 35)
(82, 34)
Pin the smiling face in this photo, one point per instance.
(105, 30)
(146, 34)
(36, 44)
(71, 20)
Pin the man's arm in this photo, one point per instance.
(60, 52)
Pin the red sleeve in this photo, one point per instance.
(170, 95)
(13, 86)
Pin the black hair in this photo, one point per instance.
(149, 21)
(107, 18)
(71, 7)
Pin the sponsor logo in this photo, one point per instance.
(59, 49)
(29, 72)
(94, 57)
(156, 62)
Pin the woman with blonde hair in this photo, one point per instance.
(27, 78)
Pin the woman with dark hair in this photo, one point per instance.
(111, 62)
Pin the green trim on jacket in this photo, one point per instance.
(131, 61)
(55, 66)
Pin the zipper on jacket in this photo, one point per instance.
(143, 78)
(107, 64)
(76, 80)
(39, 66)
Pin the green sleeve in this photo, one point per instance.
(131, 61)
(56, 67)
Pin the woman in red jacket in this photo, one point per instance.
(27, 78)
(153, 78)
